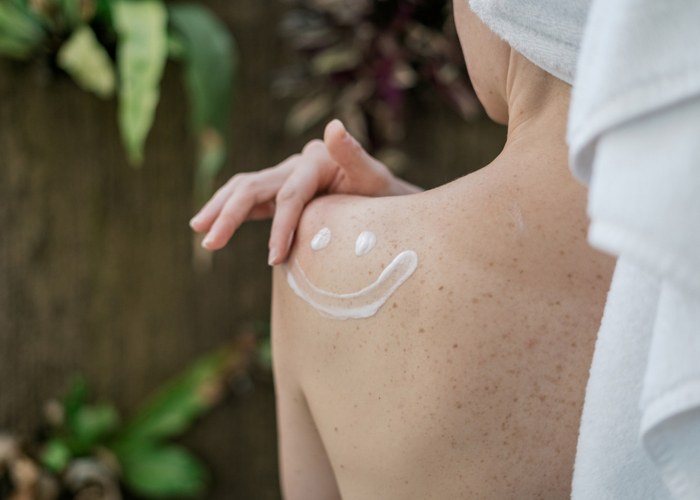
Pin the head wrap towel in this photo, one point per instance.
(547, 32)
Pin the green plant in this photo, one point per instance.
(91, 435)
(363, 60)
(121, 46)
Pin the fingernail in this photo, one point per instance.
(273, 257)
(193, 221)
(206, 242)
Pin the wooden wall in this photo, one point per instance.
(95, 257)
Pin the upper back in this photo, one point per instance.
(468, 381)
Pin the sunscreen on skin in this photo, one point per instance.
(362, 304)
(322, 239)
(365, 242)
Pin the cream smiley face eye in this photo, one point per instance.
(322, 239)
(365, 242)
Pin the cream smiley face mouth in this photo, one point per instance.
(356, 305)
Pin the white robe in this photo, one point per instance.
(634, 134)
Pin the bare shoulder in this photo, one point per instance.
(344, 242)
(467, 380)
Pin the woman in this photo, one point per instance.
(468, 381)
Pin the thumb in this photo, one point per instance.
(346, 151)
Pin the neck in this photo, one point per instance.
(538, 105)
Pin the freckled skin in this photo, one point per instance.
(471, 387)
(469, 382)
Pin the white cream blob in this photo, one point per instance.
(322, 239)
(362, 304)
(365, 242)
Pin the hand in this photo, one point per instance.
(338, 164)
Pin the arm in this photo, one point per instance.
(336, 165)
(305, 469)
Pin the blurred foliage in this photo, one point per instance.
(86, 450)
(85, 37)
(142, 49)
(361, 60)
(203, 43)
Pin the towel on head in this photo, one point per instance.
(547, 32)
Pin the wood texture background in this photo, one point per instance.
(95, 257)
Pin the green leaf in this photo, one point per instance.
(212, 155)
(141, 53)
(71, 12)
(20, 31)
(209, 54)
(14, 49)
(175, 407)
(56, 455)
(103, 11)
(176, 46)
(87, 61)
(210, 61)
(91, 424)
(264, 353)
(75, 399)
(167, 471)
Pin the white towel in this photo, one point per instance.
(610, 464)
(634, 132)
(547, 32)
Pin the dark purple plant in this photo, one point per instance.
(362, 60)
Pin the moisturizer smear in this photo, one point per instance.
(365, 242)
(362, 304)
(322, 239)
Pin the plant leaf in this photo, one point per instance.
(71, 12)
(75, 399)
(20, 31)
(307, 113)
(15, 49)
(176, 46)
(264, 353)
(336, 59)
(175, 407)
(91, 424)
(56, 455)
(167, 471)
(211, 59)
(212, 155)
(141, 53)
(87, 62)
(103, 11)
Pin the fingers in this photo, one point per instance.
(364, 174)
(361, 173)
(299, 188)
(236, 210)
(343, 148)
(203, 220)
(263, 211)
(247, 196)
(338, 165)
(269, 179)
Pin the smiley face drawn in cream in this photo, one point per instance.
(322, 239)
(361, 304)
(365, 242)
